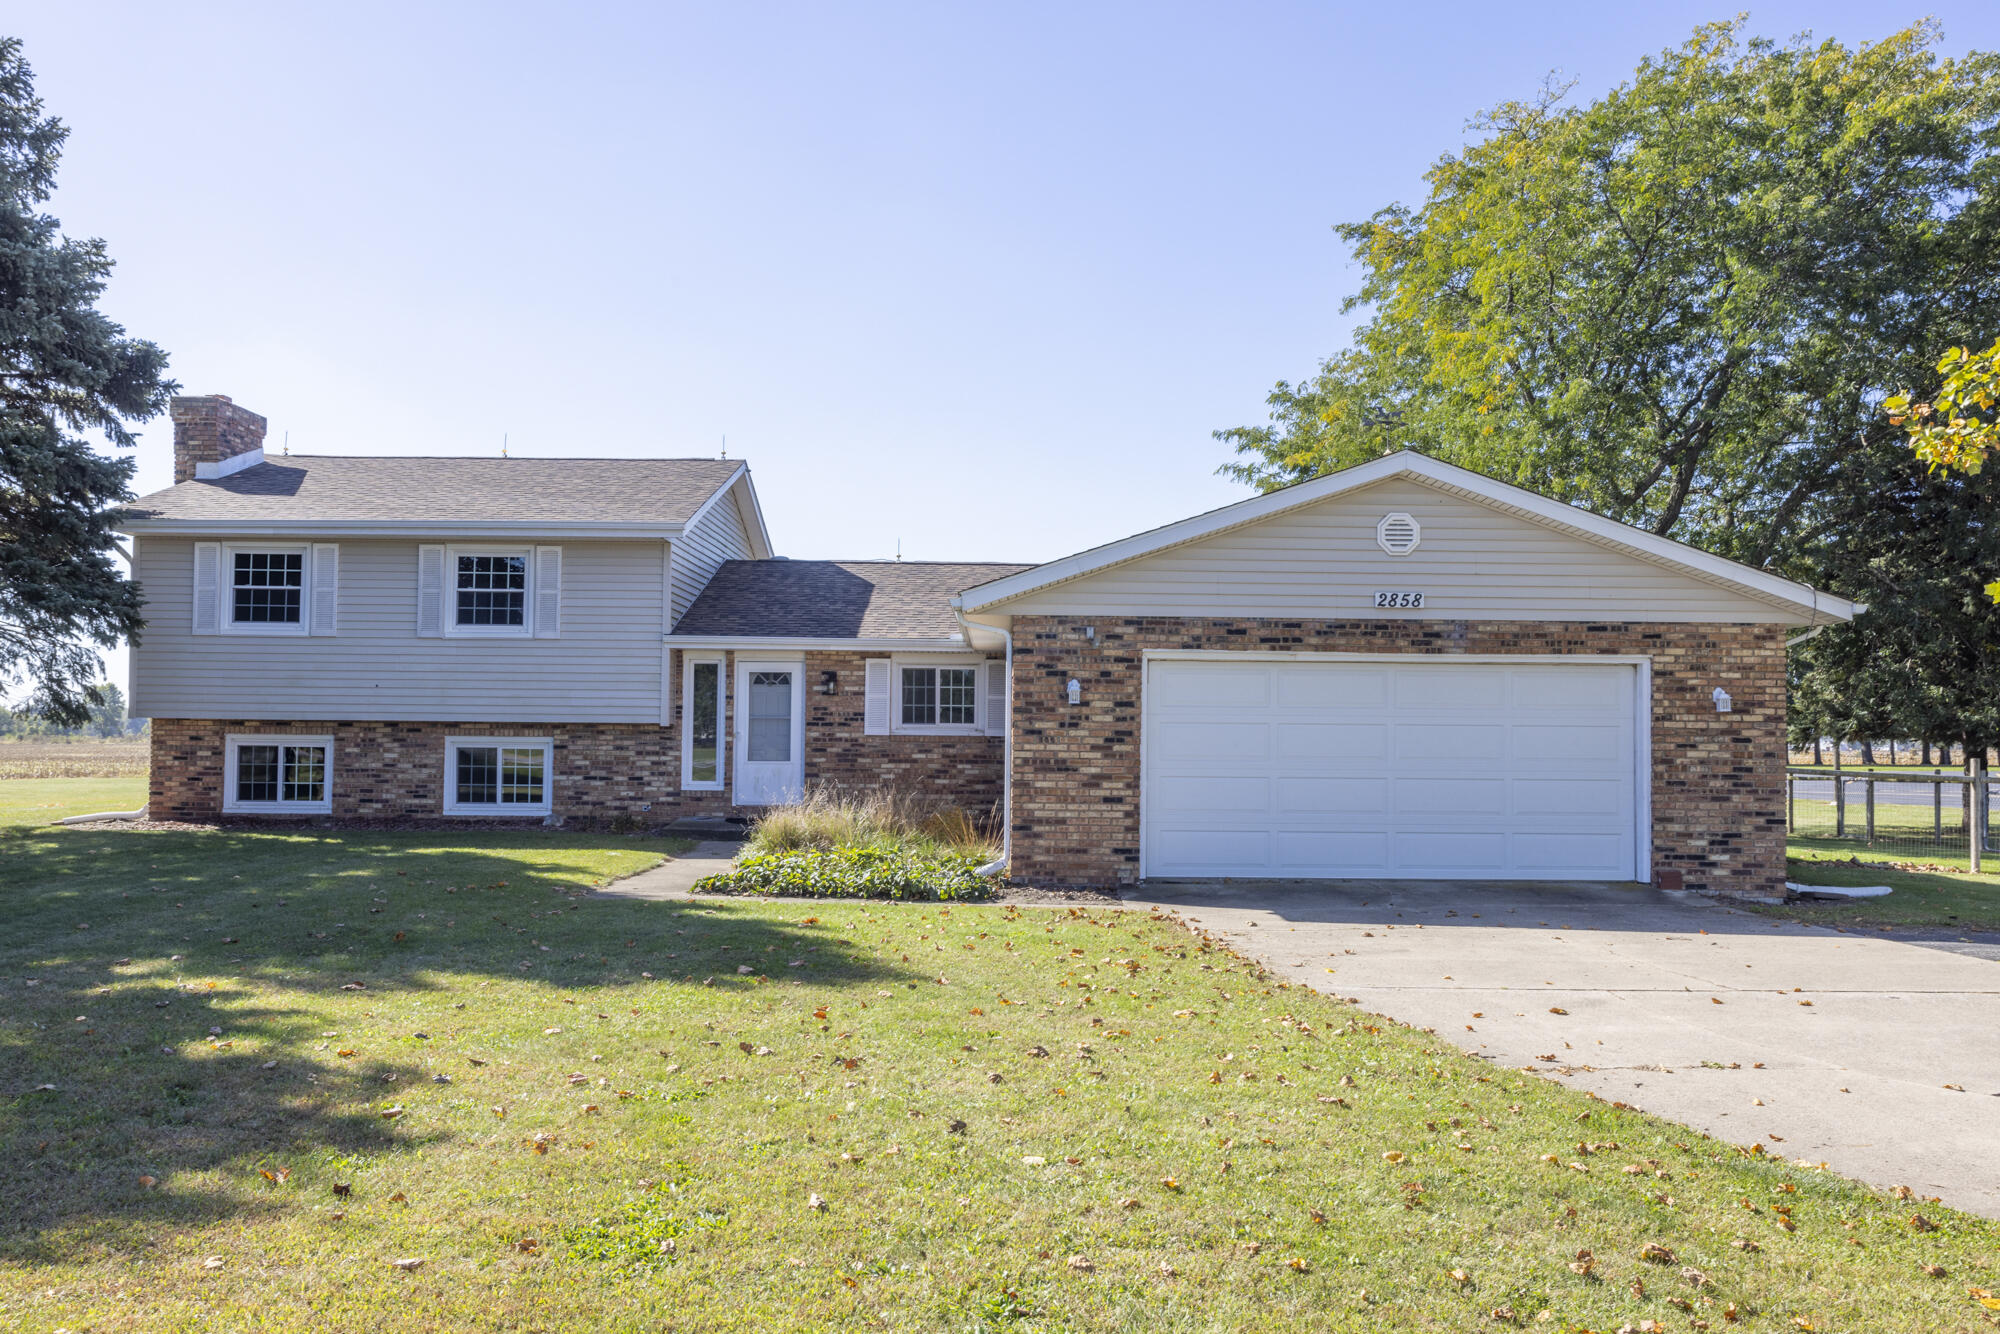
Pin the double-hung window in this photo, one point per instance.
(491, 591)
(498, 775)
(941, 697)
(264, 589)
(278, 775)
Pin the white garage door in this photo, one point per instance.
(1396, 769)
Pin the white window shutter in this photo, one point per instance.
(208, 588)
(875, 710)
(548, 592)
(325, 588)
(430, 591)
(996, 697)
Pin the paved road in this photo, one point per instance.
(1857, 1079)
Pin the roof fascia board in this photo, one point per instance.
(395, 528)
(760, 537)
(751, 643)
(1472, 485)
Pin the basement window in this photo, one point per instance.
(277, 775)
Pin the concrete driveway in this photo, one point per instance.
(1833, 1047)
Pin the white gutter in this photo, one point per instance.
(999, 864)
(753, 643)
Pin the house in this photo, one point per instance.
(1402, 670)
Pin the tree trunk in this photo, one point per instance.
(1817, 761)
(1868, 752)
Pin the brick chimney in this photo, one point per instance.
(213, 437)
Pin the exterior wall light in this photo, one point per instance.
(829, 683)
(1075, 691)
(1721, 698)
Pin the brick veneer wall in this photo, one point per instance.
(1718, 778)
(603, 772)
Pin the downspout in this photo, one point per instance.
(999, 864)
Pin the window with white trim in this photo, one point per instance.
(936, 697)
(701, 723)
(490, 591)
(266, 590)
(498, 775)
(278, 775)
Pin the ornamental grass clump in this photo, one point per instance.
(829, 817)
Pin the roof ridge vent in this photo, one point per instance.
(1398, 534)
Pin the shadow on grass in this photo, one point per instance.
(117, 954)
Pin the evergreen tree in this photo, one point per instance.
(66, 373)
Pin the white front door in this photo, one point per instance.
(770, 732)
(1262, 765)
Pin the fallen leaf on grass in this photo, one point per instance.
(1297, 1264)
(815, 1203)
(148, 1182)
(1081, 1263)
(212, 1262)
(1654, 1253)
(408, 1263)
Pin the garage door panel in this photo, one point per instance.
(1213, 851)
(1300, 687)
(1190, 793)
(1434, 801)
(1572, 691)
(1180, 742)
(1415, 769)
(1567, 797)
(1450, 742)
(1568, 743)
(1449, 687)
(1212, 684)
(1307, 853)
(1448, 851)
(1340, 745)
(1329, 796)
(1597, 856)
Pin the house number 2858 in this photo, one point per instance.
(1399, 599)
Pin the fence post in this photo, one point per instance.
(1976, 843)
(1791, 803)
(1868, 795)
(1839, 805)
(1937, 811)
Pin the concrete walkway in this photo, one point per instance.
(1846, 1048)
(675, 877)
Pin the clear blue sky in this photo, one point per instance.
(981, 279)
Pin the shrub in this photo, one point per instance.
(853, 873)
(827, 817)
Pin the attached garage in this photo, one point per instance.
(1404, 670)
(1268, 765)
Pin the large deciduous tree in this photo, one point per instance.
(67, 373)
(1680, 305)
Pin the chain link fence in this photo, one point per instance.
(1916, 814)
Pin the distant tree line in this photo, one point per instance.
(107, 719)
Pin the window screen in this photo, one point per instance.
(267, 586)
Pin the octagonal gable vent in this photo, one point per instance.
(1398, 534)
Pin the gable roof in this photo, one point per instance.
(832, 600)
(442, 493)
(1446, 477)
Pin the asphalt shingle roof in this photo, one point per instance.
(343, 488)
(834, 599)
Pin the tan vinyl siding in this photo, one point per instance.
(717, 536)
(605, 666)
(1474, 563)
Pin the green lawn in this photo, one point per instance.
(759, 1116)
(1944, 897)
(26, 802)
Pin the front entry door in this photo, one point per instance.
(770, 732)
